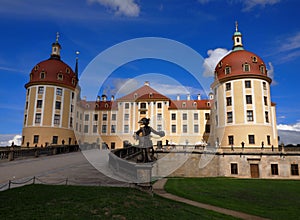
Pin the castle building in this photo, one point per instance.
(238, 119)
(239, 113)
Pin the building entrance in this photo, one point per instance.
(254, 170)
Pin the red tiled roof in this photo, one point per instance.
(190, 104)
(142, 94)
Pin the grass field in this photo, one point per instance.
(275, 199)
(86, 202)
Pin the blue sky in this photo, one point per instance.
(270, 29)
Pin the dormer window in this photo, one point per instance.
(73, 81)
(68, 70)
(150, 95)
(220, 64)
(183, 104)
(254, 59)
(227, 70)
(262, 69)
(106, 105)
(246, 67)
(135, 95)
(36, 67)
(42, 75)
(60, 76)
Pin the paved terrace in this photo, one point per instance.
(71, 167)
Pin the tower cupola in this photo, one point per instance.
(237, 39)
(56, 49)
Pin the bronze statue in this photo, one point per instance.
(145, 142)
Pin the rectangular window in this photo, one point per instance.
(228, 86)
(58, 105)
(126, 105)
(95, 117)
(249, 115)
(35, 139)
(54, 139)
(95, 128)
(207, 128)
(72, 108)
(71, 122)
(173, 116)
(248, 99)
(86, 129)
(104, 130)
(173, 128)
(40, 90)
(112, 145)
(126, 128)
(159, 116)
(294, 169)
(265, 100)
(264, 85)
(196, 128)
(184, 128)
(231, 140)
(184, 116)
(39, 103)
(143, 105)
(113, 129)
(86, 117)
(207, 116)
(56, 119)
(234, 168)
(126, 117)
(267, 117)
(25, 119)
(247, 84)
(159, 105)
(229, 117)
(274, 169)
(159, 127)
(228, 101)
(59, 91)
(251, 139)
(113, 117)
(268, 139)
(104, 117)
(195, 116)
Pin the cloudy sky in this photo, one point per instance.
(270, 29)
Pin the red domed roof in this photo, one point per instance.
(53, 71)
(241, 63)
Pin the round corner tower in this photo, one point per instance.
(243, 114)
(50, 102)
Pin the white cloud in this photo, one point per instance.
(291, 43)
(120, 7)
(271, 73)
(250, 4)
(214, 56)
(292, 127)
(7, 139)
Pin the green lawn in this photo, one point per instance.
(275, 199)
(87, 202)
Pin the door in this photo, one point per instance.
(254, 170)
